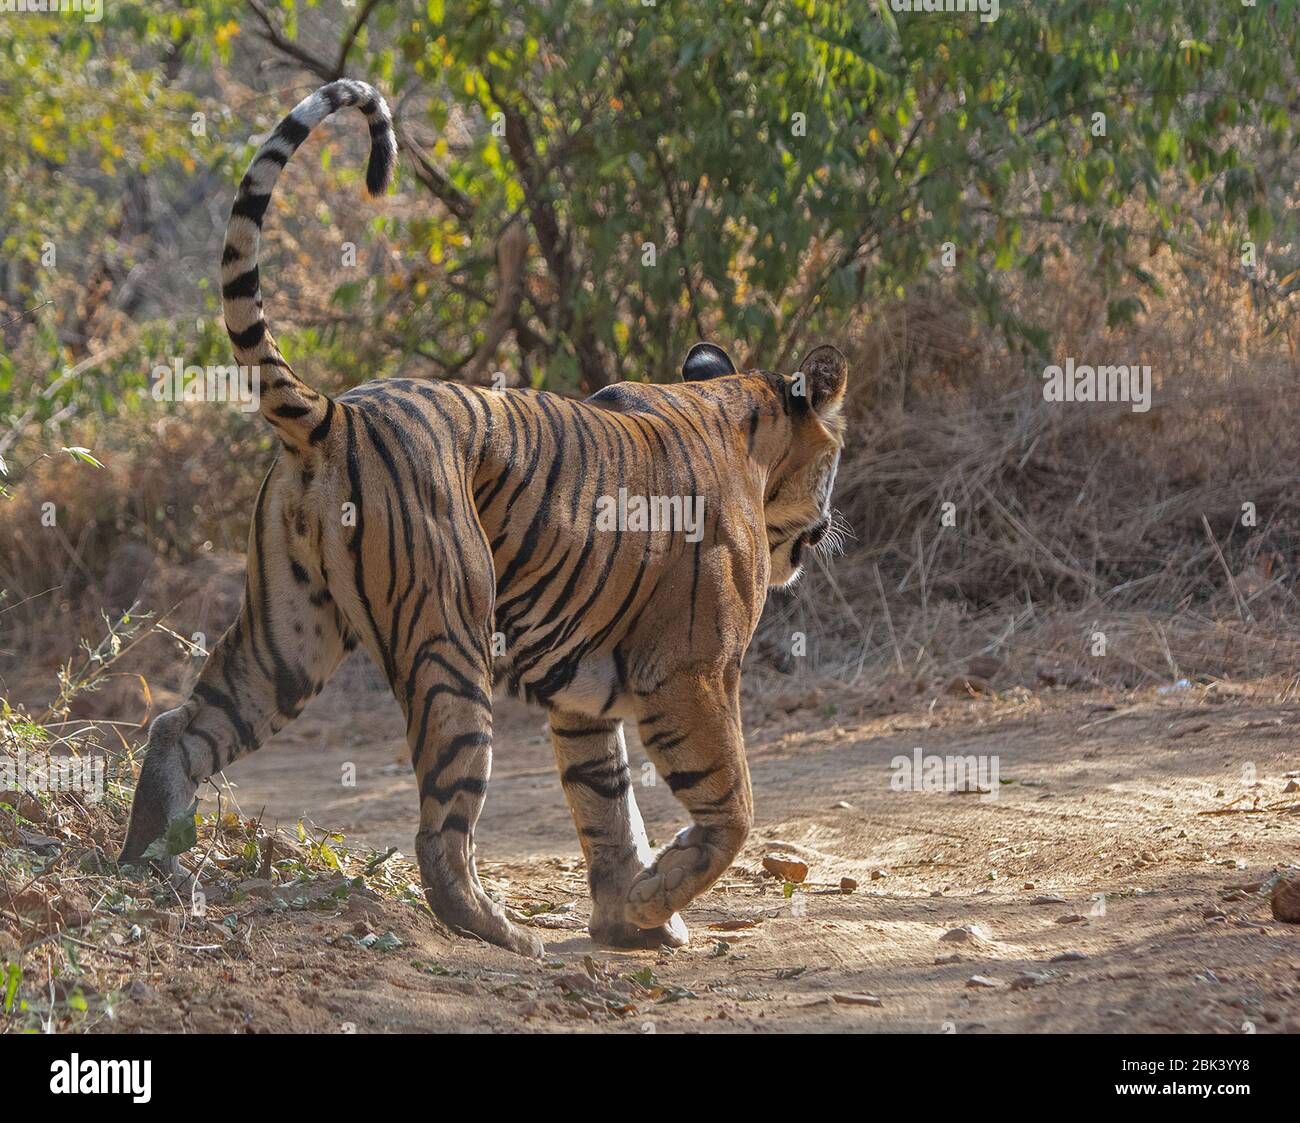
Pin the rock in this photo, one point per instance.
(786, 869)
(1069, 957)
(74, 907)
(847, 885)
(982, 982)
(1029, 979)
(857, 999)
(794, 700)
(877, 875)
(1291, 786)
(139, 991)
(1048, 899)
(169, 922)
(364, 911)
(1285, 900)
(1073, 918)
(963, 934)
(557, 921)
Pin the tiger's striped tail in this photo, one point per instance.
(300, 415)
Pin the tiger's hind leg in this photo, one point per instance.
(416, 582)
(438, 657)
(279, 653)
(449, 728)
(690, 728)
(594, 773)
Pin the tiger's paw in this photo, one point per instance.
(653, 898)
(488, 923)
(503, 934)
(672, 933)
(523, 942)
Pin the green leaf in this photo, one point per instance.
(14, 976)
(181, 834)
(83, 455)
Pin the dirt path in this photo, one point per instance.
(1094, 885)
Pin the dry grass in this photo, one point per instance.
(1068, 519)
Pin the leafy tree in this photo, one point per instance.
(611, 180)
(762, 171)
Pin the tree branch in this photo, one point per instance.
(553, 243)
(272, 34)
(345, 47)
(435, 180)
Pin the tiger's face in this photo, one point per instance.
(797, 509)
(798, 515)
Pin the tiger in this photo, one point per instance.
(451, 531)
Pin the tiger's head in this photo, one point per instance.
(806, 432)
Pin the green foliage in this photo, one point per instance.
(792, 163)
(77, 115)
(181, 835)
(761, 172)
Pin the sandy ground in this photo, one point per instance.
(1097, 892)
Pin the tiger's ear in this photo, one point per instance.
(822, 378)
(706, 360)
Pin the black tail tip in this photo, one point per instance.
(379, 170)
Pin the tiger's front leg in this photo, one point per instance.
(592, 757)
(690, 728)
